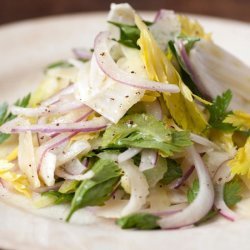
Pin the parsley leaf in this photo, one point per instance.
(24, 102)
(218, 112)
(174, 172)
(144, 131)
(232, 195)
(191, 195)
(193, 191)
(58, 64)
(3, 112)
(95, 191)
(129, 34)
(69, 186)
(58, 197)
(5, 117)
(232, 192)
(189, 41)
(142, 221)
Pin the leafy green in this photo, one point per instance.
(218, 112)
(95, 191)
(3, 137)
(174, 172)
(232, 192)
(191, 195)
(144, 131)
(129, 34)
(142, 221)
(5, 116)
(109, 154)
(232, 195)
(58, 64)
(189, 41)
(154, 175)
(24, 102)
(69, 186)
(137, 159)
(3, 112)
(193, 191)
(58, 197)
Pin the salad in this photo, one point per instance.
(149, 128)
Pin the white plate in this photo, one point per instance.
(25, 49)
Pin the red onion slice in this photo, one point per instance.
(220, 204)
(159, 15)
(138, 186)
(47, 168)
(154, 108)
(51, 144)
(86, 126)
(42, 138)
(128, 154)
(223, 173)
(201, 205)
(148, 159)
(76, 148)
(58, 108)
(82, 53)
(83, 117)
(182, 180)
(85, 163)
(75, 167)
(60, 172)
(110, 68)
(191, 70)
(56, 97)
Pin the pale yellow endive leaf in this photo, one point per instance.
(181, 105)
(240, 164)
(19, 182)
(239, 119)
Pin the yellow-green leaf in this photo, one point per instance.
(19, 182)
(240, 164)
(181, 105)
(192, 28)
(239, 119)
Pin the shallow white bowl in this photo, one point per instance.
(25, 49)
